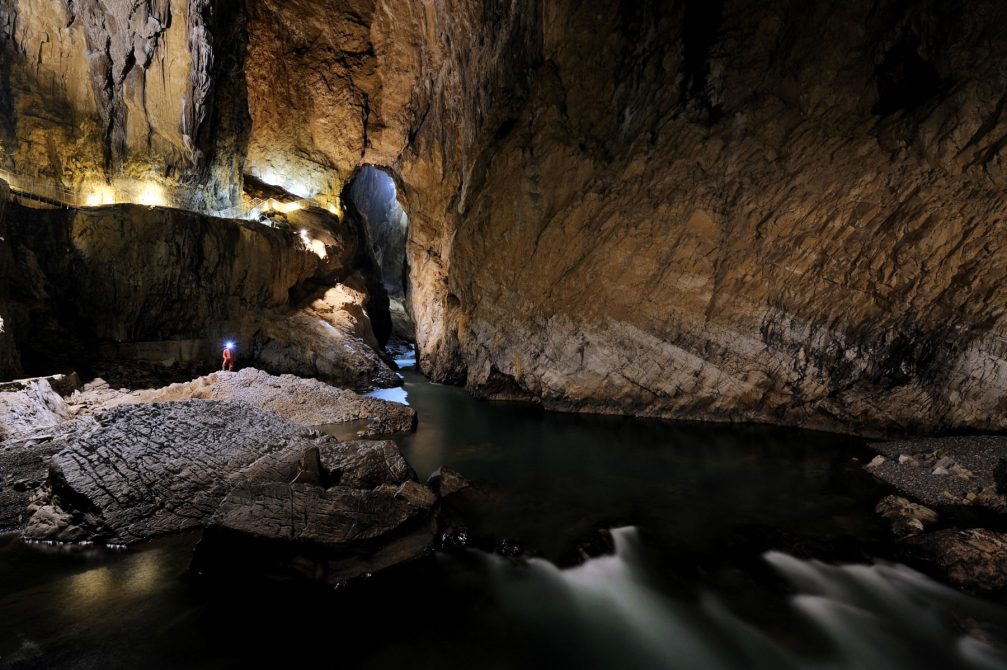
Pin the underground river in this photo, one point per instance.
(735, 547)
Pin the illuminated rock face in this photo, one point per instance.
(125, 89)
(332, 85)
(718, 210)
(123, 284)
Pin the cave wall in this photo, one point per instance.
(768, 211)
(736, 210)
(84, 279)
(330, 85)
(99, 90)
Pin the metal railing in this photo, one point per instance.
(49, 192)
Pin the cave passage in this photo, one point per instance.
(372, 198)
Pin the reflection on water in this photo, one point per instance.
(710, 569)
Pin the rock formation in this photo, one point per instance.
(307, 402)
(674, 209)
(746, 213)
(959, 476)
(111, 90)
(37, 422)
(670, 208)
(275, 495)
(91, 288)
(354, 508)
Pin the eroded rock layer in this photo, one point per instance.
(99, 287)
(706, 210)
(744, 211)
(116, 89)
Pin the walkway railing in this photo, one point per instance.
(49, 192)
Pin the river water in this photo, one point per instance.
(734, 547)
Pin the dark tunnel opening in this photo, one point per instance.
(371, 199)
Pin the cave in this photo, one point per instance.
(372, 200)
(507, 334)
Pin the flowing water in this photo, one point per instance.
(734, 547)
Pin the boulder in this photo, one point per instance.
(301, 530)
(146, 470)
(907, 518)
(364, 464)
(974, 559)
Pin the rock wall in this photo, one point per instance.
(95, 289)
(727, 210)
(331, 85)
(108, 89)
(742, 211)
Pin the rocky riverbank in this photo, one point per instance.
(234, 453)
(949, 517)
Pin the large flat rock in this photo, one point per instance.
(308, 402)
(161, 468)
(275, 497)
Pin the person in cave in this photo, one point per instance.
(228, 354)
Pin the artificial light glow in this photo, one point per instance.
(100, 195)
(335, 209)
(317, 247)
(286, 183)
(152, 195)
(229, 345)
(273, 205)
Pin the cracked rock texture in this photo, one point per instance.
(146, 470)
(354, 508)
(280, 496)
(974, 559)
(307, 402)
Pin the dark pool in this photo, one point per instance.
(736, 547)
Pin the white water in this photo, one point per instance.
(871, 616)
(397, 394)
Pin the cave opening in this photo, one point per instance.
(372, 201)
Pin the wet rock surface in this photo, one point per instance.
(906, 517)
(974, 559)
(332, 535)
(276, 498)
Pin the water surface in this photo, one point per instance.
(736, 547)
